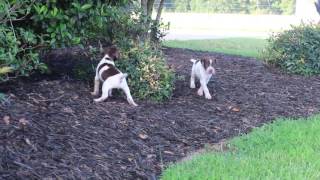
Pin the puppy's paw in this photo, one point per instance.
(208, 96)
(94, 93)
(98, 100)
(192, 86)
(131, 102)
(200, 92)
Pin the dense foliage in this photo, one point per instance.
(149, 77)
(232, 6)
(29, 27)
(296, 50)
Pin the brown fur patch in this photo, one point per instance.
(103, 65)
(109, 72)
(205, 62)
(113, 52)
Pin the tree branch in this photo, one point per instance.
(159, 11)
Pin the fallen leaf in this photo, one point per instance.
(6, 120)
(143, 136)
(168, 152)
(149, 156)
(23, 121)
(68, 110)
(235, 109)
(28, 141)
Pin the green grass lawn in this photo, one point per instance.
(250, 47)
(285, 149)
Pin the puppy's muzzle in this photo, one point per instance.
(211, 71)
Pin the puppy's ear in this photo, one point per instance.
(214, 60)
(205, 62)
(113, 52)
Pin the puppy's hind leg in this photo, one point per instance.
(96, 86)
(105, 92)
(125, 88)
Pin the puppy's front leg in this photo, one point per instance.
(200, 90)
(192, 79)
(205, 89)
(96, 86)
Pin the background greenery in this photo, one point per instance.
(232, 6)
(250, 47)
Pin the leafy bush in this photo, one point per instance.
(149, 76)
(2, 97)
(296, 50)
(26, 27)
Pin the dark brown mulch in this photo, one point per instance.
(63, 134)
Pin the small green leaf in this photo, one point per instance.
(86, 6)
(54, 12)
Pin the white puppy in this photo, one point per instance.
(111, 77)
(203, 70)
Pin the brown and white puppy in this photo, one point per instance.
(203, 70)
(111, 77)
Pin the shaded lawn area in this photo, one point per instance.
(285, 149)
(250, 47)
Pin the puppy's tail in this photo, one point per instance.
(123, 76)
(193, 60)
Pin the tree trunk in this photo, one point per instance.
(147, 8)
(146, 18)
(159, 12)
(156, 22)
(150, 8)
(144, 6)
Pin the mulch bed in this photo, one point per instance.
(56, 131)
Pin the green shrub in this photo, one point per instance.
(149, 76)
(296, 50)
(28, 26)
(41, 25)
(17, 45)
